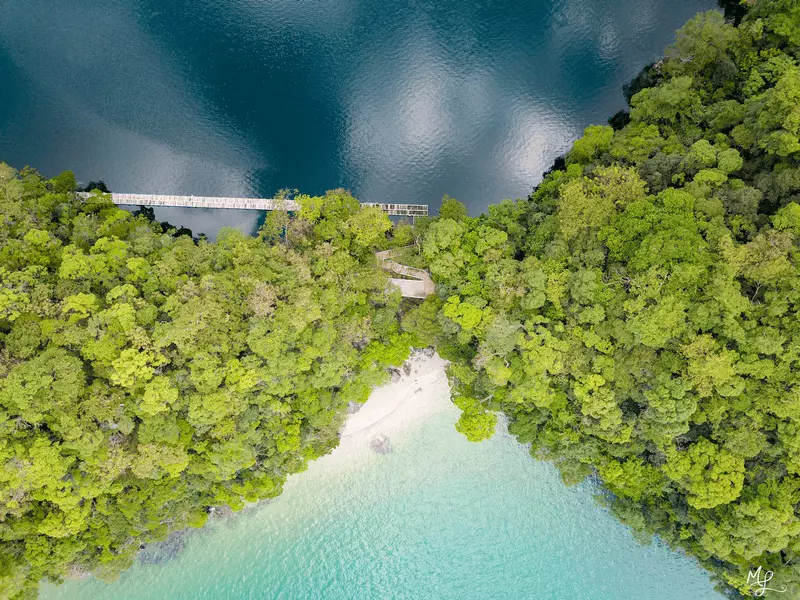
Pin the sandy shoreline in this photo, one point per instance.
(392, 410)
(396, 407)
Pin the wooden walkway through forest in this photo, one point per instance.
(421, 286)
(399, 210)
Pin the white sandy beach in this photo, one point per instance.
(393, 410)
(400, 405)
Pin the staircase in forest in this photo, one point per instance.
(420, 286)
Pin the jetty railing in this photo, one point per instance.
(400, 210)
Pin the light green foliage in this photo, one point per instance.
(788, 218)
(465, 314)
(586, 204)
(710, 475)
(701, 155)
(673, 101)
(476, 426)
(368, 226)
(452, 209)
(581, 208)
(781, 17)
(776, 125)
(729, 161)
(632, 478)
(145, 378)
(706, 39)
(596, 140)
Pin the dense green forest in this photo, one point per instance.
(635, 318)
(145, 377)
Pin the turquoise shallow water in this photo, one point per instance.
(439, 518)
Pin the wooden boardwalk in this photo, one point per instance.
(421, 286)
(400, 210)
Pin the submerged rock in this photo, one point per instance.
(78, 573)
(158, 553)
(381, 444)
(221, 512)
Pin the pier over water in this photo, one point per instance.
(418, 283)
(395, 210)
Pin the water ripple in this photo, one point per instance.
(398, 101)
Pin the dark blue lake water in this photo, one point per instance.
(399, 101)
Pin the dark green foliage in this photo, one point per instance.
(96, 185)
(735, 10)
(148, 213)
(619, 120)
(637, 316)
(559, 164)
(145, 377)
(647, 77)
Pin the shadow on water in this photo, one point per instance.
(734, 10)
(148, 213)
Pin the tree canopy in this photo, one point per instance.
(146, 377)
(635, 319)
(637, 316)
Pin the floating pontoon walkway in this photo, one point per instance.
(400, 210)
